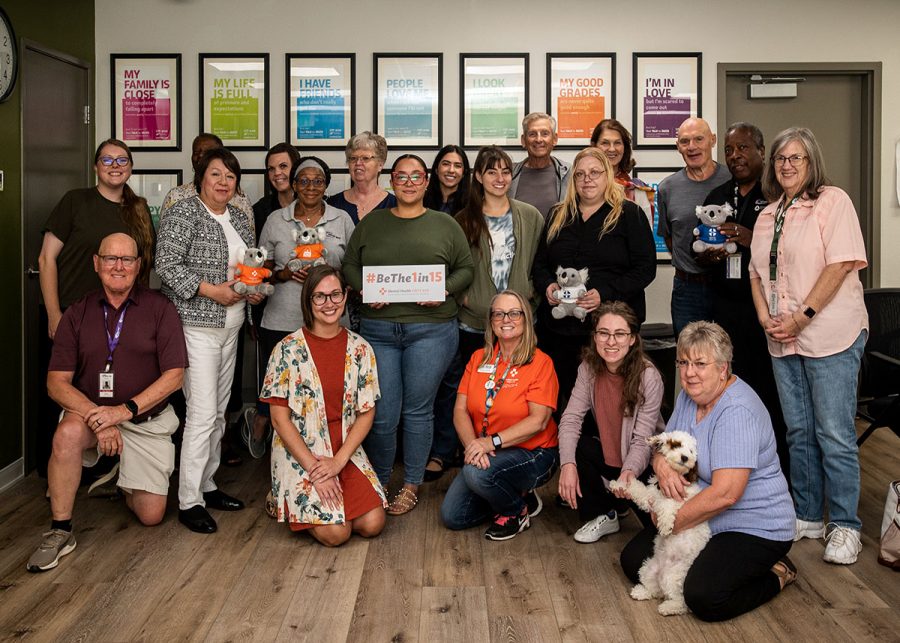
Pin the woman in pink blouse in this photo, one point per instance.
(807, 252)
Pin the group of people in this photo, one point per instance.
(490, 373)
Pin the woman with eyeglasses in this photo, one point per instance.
(83, 217)
(366, 155)
(743, 495)
(201, 240)
(806, 254)
(503, 417)
(413, 341)
(623, 391)
(595, 228)
(321, 383)
(309, 179)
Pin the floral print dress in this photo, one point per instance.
(292, 375)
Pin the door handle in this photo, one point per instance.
(31, 272)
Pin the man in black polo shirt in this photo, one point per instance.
(117, 355)
(732, 300)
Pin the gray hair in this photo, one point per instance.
(368, 141)
(706, 336)
(754, 132)
(537, 116)
(815, 178)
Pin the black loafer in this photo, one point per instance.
(197, 519)
(220, 500)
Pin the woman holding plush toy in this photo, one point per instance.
(309, 180)
(744, 495)
(200, 241)
(595, 229)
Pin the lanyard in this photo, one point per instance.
(780, 214)
(491, 389)
(112, 341)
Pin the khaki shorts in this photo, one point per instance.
(148, 455)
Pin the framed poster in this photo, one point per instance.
(408, 108)
(154, 185)
(340, 181)
(321, 100)
(581, 92)
(234, 99)
(666, 91)
(493, 99)
(255, 185)
(652, 176)
(146, 101)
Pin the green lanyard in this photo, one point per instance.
(780, 214)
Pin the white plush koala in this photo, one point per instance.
(571, 286)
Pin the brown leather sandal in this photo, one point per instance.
(786, 571)
(404, 502)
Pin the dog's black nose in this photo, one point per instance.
(684, 458)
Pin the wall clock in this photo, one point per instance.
(9, 58)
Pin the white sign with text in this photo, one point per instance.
(412, 283)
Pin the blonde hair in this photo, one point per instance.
(524, 352)
(705, 336)
(564, 213)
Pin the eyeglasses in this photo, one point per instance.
(335, 296)
(595, 174)
(698, 365)
(121, 161)
(416, 178)
(604, 335)
(794, 160)
(353, 160)
(499, 315)
(111, 260)
(305, 183)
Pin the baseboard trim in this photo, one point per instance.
(12, 473)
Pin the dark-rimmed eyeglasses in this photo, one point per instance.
(305, 183)
(514, 315)
(619, 335)
(335, 296)
(121, 161)
(794, 160)
(111, 260)
(402, 178)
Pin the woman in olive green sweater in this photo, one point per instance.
(413, 341)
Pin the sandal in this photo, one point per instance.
(433, 474)
(271, 508)
(404, 502)
(786, 571)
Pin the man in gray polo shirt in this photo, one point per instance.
(540, 179)
(678, 197)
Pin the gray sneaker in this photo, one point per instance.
(256, 447)
(106, 486)
(56, 544)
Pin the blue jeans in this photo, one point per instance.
(818, 397)
(691, 301)
(476, 495)
(412, 358)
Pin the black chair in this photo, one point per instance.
(879, 389)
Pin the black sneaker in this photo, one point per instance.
(533, 503)
(507, 527)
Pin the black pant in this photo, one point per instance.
(565, 351)
(596, 499)
(731, 576)
(267, 340)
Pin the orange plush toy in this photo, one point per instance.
(310, 250)
(251, 273)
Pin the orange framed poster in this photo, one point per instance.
(581, 92)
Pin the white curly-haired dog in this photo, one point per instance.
(663, 574)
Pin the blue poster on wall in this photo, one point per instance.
(320, 117)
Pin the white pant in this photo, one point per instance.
(207, 386)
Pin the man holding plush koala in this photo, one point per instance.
(118, 354)
(678, 197)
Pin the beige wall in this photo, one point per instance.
(724, 30)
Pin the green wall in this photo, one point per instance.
(67, 27)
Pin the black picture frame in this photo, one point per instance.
(664, 122)
(511, 142)
(433, 142)
(155, 197)
(348, 123)
(117, 96)
(580, 142)
(259, 143)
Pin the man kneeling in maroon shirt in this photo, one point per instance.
(117, 356)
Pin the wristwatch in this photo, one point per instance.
(496, 440)
(809, 312)
(132, 407)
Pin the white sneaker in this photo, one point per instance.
(594, 530)
(806, 529)
(842, 545)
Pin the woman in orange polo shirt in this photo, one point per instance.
(503, 419)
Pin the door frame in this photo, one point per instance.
(27, 457)
(870, 166)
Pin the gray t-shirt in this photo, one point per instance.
(282, 310)
(678, 198)
(503, 248)
(539, 188)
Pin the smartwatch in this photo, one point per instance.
(809, 312)
(132, 407)
(496, 440)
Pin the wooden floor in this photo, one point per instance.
(254, 580)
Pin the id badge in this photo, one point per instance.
(107, 380)
(487, 368)
(733, 266)
(773, 301)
